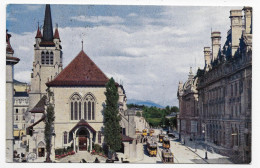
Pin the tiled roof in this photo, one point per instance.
(18, 82)
(47, 43)
(126, 138)
(39, 107)
(37, 122)
(82, 71)
(21, 94)
(82, 122)
(56, 34)
(39, 34)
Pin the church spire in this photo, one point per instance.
(47, 27)
(39, 34)
(56, 33)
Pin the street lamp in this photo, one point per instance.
(204, 131)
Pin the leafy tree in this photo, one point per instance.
(49, 119)
(173, 122)
(174, 109)
(112, 126)
(138, 114)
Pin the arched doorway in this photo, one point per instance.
(83, 139)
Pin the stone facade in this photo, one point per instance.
(188, 103)
(225, 90)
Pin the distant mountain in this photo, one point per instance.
(143, 102)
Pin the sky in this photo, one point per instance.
(148, 49)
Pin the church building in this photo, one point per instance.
(77, 94)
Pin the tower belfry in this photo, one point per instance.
(47, 62)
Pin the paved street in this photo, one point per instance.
(182, 154)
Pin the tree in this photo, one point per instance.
(138, 114)
(49, 119)
(173, 122)
(112, 127)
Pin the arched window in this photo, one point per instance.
(89, 110)
(43, 57)
(65, 137)
(75, 107)
(75, 110)
(89, 107)
(93, 111)
(51, 58)
(85, 110)
(79, 110)
(47, 58)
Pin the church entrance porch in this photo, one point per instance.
(82, 135)
(83, 140)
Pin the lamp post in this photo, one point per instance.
(205, 132)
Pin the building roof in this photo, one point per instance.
(126, 138)
(18, 82)
(39, 107)
(39, 34)
(37, 122)
(56, 34)
(47, 27)
(82, 122)
(21, 94)
(82, 71)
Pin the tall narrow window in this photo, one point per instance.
(43, 57)
(75, 110)
(71, 111)
(99, 136)
(79, 110)
(93, 111)
(65, 138)
(89, 111)
(89, 100)
(85, 110)
(51, 58)
(47, 58)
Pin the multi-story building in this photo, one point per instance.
(224, 90)
(188, 116)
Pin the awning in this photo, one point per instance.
(17, 132)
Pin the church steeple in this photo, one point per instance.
(47, 27)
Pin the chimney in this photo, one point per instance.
(216, 42)
(248, 19)
(236, 29)
(207, 57)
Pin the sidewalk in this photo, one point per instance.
(213, 158)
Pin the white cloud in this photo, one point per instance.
(33, 7)
(23, 76)
(98, 19)
(132, 15)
